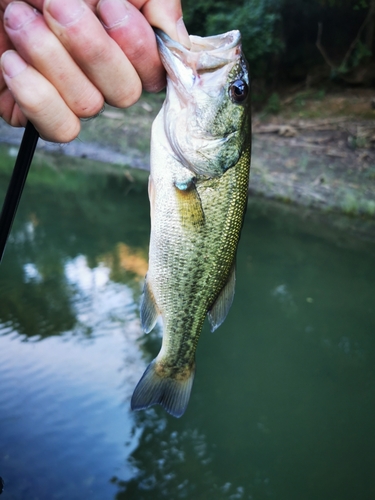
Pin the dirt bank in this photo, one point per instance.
(318, 151)
(315, 163)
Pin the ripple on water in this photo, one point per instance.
(64, 394)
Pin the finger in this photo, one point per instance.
(134, 35)
(5, 43)
(9, 109)
(166, 15)
(39, 47)
(100, 58)
(92, 4)
(38, 100)
(38, 4)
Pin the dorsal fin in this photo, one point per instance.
(219, 310)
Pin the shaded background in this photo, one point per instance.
(279, 37)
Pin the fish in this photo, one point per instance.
(198, 188)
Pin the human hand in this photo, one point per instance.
(68, 57)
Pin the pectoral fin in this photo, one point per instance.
(149, 311)
(219, 310)
(189, 204)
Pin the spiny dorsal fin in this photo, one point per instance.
(149, 310)
(219, 310)
(172, 394)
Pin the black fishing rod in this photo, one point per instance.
(17, 182)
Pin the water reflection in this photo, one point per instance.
(283, 402)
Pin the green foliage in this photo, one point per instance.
(361, 4)
(273, 104)
(320, 94)
(258, 21)
(360, 54)
(343, 4)
(280, 35)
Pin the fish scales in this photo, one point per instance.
(197, 262)
(198, 197)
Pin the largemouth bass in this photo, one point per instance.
(198, 185)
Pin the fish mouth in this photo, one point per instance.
(206, 55)
(201, 127)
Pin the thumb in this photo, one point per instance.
(167, 15)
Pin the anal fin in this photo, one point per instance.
(149, 311)
(219, 310)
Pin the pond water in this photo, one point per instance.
(283, 404)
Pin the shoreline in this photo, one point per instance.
(306, 168)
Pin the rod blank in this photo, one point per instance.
(17, 182)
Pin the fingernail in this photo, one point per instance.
(65, 12)
(182, 33)
(12, 64)
(113, 12)
(18, 14)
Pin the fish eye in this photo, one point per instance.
(238, 91)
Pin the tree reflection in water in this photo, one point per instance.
(283, 401)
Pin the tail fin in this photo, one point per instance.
(173, 395)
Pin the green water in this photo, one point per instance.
(283, 403)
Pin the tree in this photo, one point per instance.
(280, 36)
(356, 65)
(258, 20)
